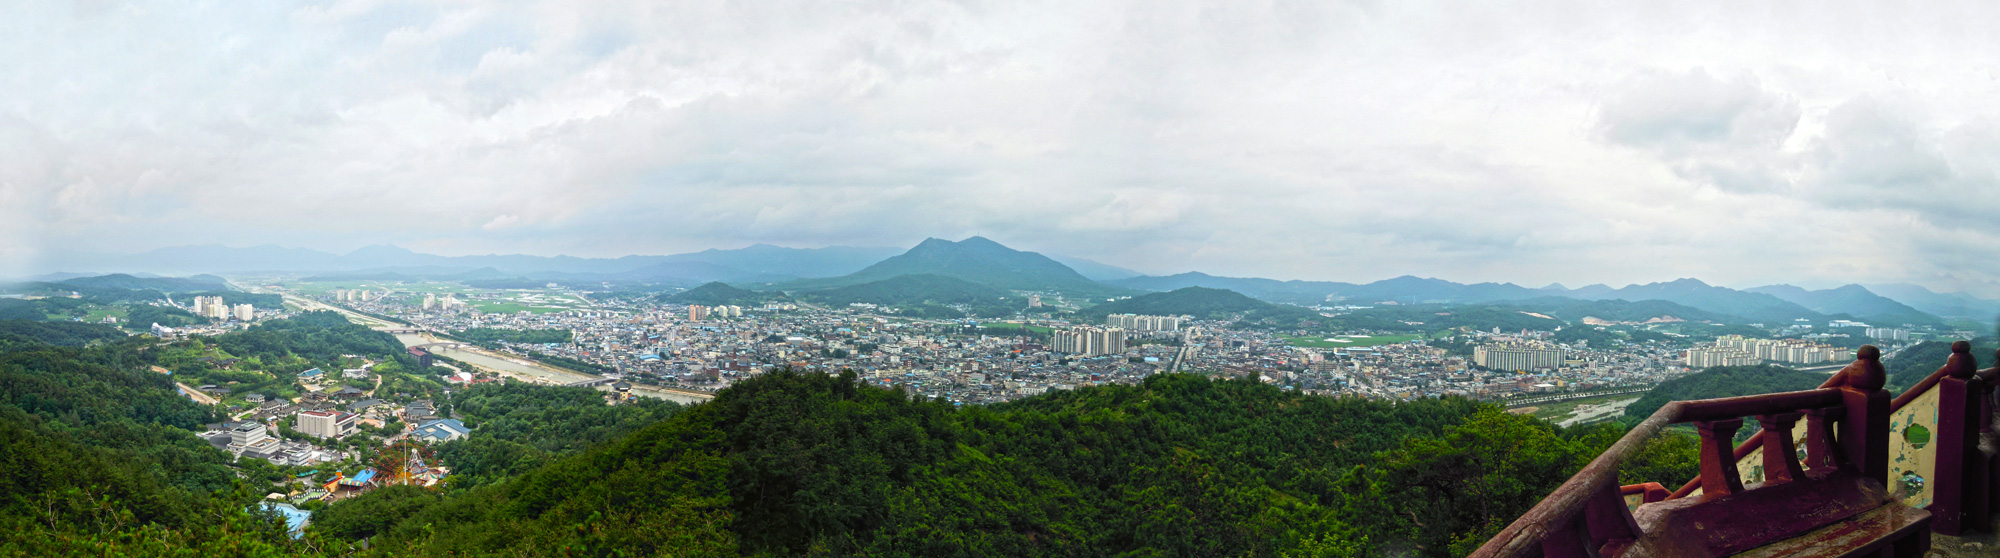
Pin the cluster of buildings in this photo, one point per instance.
(214, 307)
(705, 348)
(1737, 350)
(252, 439)
(1136, 322)
(1520, 356)
(698, 312)
(432, 302)
(1088, 341)
(349, 295)
(1888, 333)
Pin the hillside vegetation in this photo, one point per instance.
(1913, 364)
(1722, 381)
(812, 464)
(976, 260)
(926, 295)
(1209, 304)
(100, 461)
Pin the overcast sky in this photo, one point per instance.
(1814, 143)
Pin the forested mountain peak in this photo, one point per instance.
(974, 259)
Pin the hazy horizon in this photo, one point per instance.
(1532, 143)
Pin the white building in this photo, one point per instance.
(211, 307)
(1135, 322)
(1521, 357)
(327, 424)
(1089, 341)
(245, 312)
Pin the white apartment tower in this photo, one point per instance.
(1089, 341)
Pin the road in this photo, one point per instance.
(353, 316)
(196, 395)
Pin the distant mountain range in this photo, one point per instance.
(761, 262)
(1951, 305)
(1773, 305)
(977, 260)
(194, 284)
(1853, 300)
(983, 262)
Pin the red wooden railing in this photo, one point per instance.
(1847, 436)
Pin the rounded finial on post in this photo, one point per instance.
(1960, 364)
(1868, 352)
(1865, 373)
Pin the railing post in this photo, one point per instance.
(1718, 458)
(1958, 492)
(1864, 430)
(1781, 458)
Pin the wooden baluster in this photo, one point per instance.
(1718, 458)
(1781, 457)
(1821, 458)
(1567, 541)
(1607, 518)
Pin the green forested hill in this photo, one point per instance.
(1722, 381)
(1913, 364)
(197, 283)
(98, 457)
(811, 464)
(925, 294)
(68, 334)
(793, 463)
(1205, 303)
(974, 259)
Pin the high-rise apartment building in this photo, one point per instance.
(1792, 351)
(697, 312)
(1889, 334)
(430, 301)
(211, 307)
(244, 312)
(1089, 341)
(1704, 357)
(1518, 357)
(1135, 322)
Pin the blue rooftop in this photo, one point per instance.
(295, 519)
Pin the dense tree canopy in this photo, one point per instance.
(805, 463)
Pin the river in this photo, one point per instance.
(529, 371)
(515, 368)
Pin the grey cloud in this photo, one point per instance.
(1727, 133)
(1532, 142)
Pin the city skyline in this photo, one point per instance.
(1342, 142)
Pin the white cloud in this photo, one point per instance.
(1532, 142)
